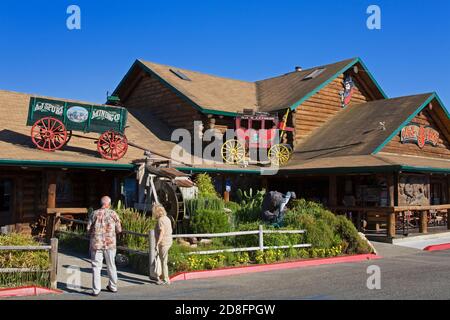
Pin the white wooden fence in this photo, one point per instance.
(152, 242)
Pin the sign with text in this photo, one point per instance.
(419, 135)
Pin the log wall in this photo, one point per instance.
(163, 103)
(322, 107)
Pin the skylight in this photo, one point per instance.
(314, 74)
(180, 75)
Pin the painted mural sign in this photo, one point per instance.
(77, 114)
(49, 107)
(101, 114)
(419, 135)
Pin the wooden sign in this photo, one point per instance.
(420, 135)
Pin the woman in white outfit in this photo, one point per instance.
(163, 235)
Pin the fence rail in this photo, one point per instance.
(152, 242)
(53, 270)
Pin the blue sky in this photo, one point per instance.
(247, 39)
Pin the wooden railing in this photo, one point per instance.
(392, 217)
(53, 270)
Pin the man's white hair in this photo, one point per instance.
(105, 201)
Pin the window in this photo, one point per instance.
(436, 192)
(314, 74)
(180, 75)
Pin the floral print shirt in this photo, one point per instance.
(102, 226)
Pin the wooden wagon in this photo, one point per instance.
(53, 121)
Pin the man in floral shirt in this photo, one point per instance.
(102, 227)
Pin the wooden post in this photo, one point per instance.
(51, 190)
(391, 225)
(332, 191)
(54, 263)
(391, 189)
(261, 238)
(56, 223)
(51, 200)
(423, 226)
(151, 255)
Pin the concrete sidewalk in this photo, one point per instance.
(424, 241)
(75, 268)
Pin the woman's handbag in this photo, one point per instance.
(157, 266)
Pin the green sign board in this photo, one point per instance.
(78, 116)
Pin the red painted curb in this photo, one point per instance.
(203, 274)
(438, 247)
(26, 291)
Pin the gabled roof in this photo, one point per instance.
(16, 147)
(224, 96)
(356, 130)
(292, 89)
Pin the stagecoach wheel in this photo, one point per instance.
(49, 134)
(233, 151)
(112, 145)
(279, 154)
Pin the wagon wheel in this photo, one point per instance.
(69, 136)
(49, 134)
(112, 145)
(279, 154)
(233, 151)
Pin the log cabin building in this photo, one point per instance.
(384, 162)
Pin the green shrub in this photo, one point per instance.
(325, 230)
(39, 261)
(204, 203)
(233, 206)
(352, 242)
(210, 221)
(133, 220)
(205, 186)
(250, 206)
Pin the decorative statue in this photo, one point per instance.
(349, 88)
(274, 206)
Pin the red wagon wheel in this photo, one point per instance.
(49, 134)
(112, 145)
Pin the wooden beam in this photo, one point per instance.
(67, 210)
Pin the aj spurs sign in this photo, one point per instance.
(420, 135)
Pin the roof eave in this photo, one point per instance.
(66, 164)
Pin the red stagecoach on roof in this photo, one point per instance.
(259, 131)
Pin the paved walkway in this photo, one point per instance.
(414, 275)
(74, 274)
(423, 243)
